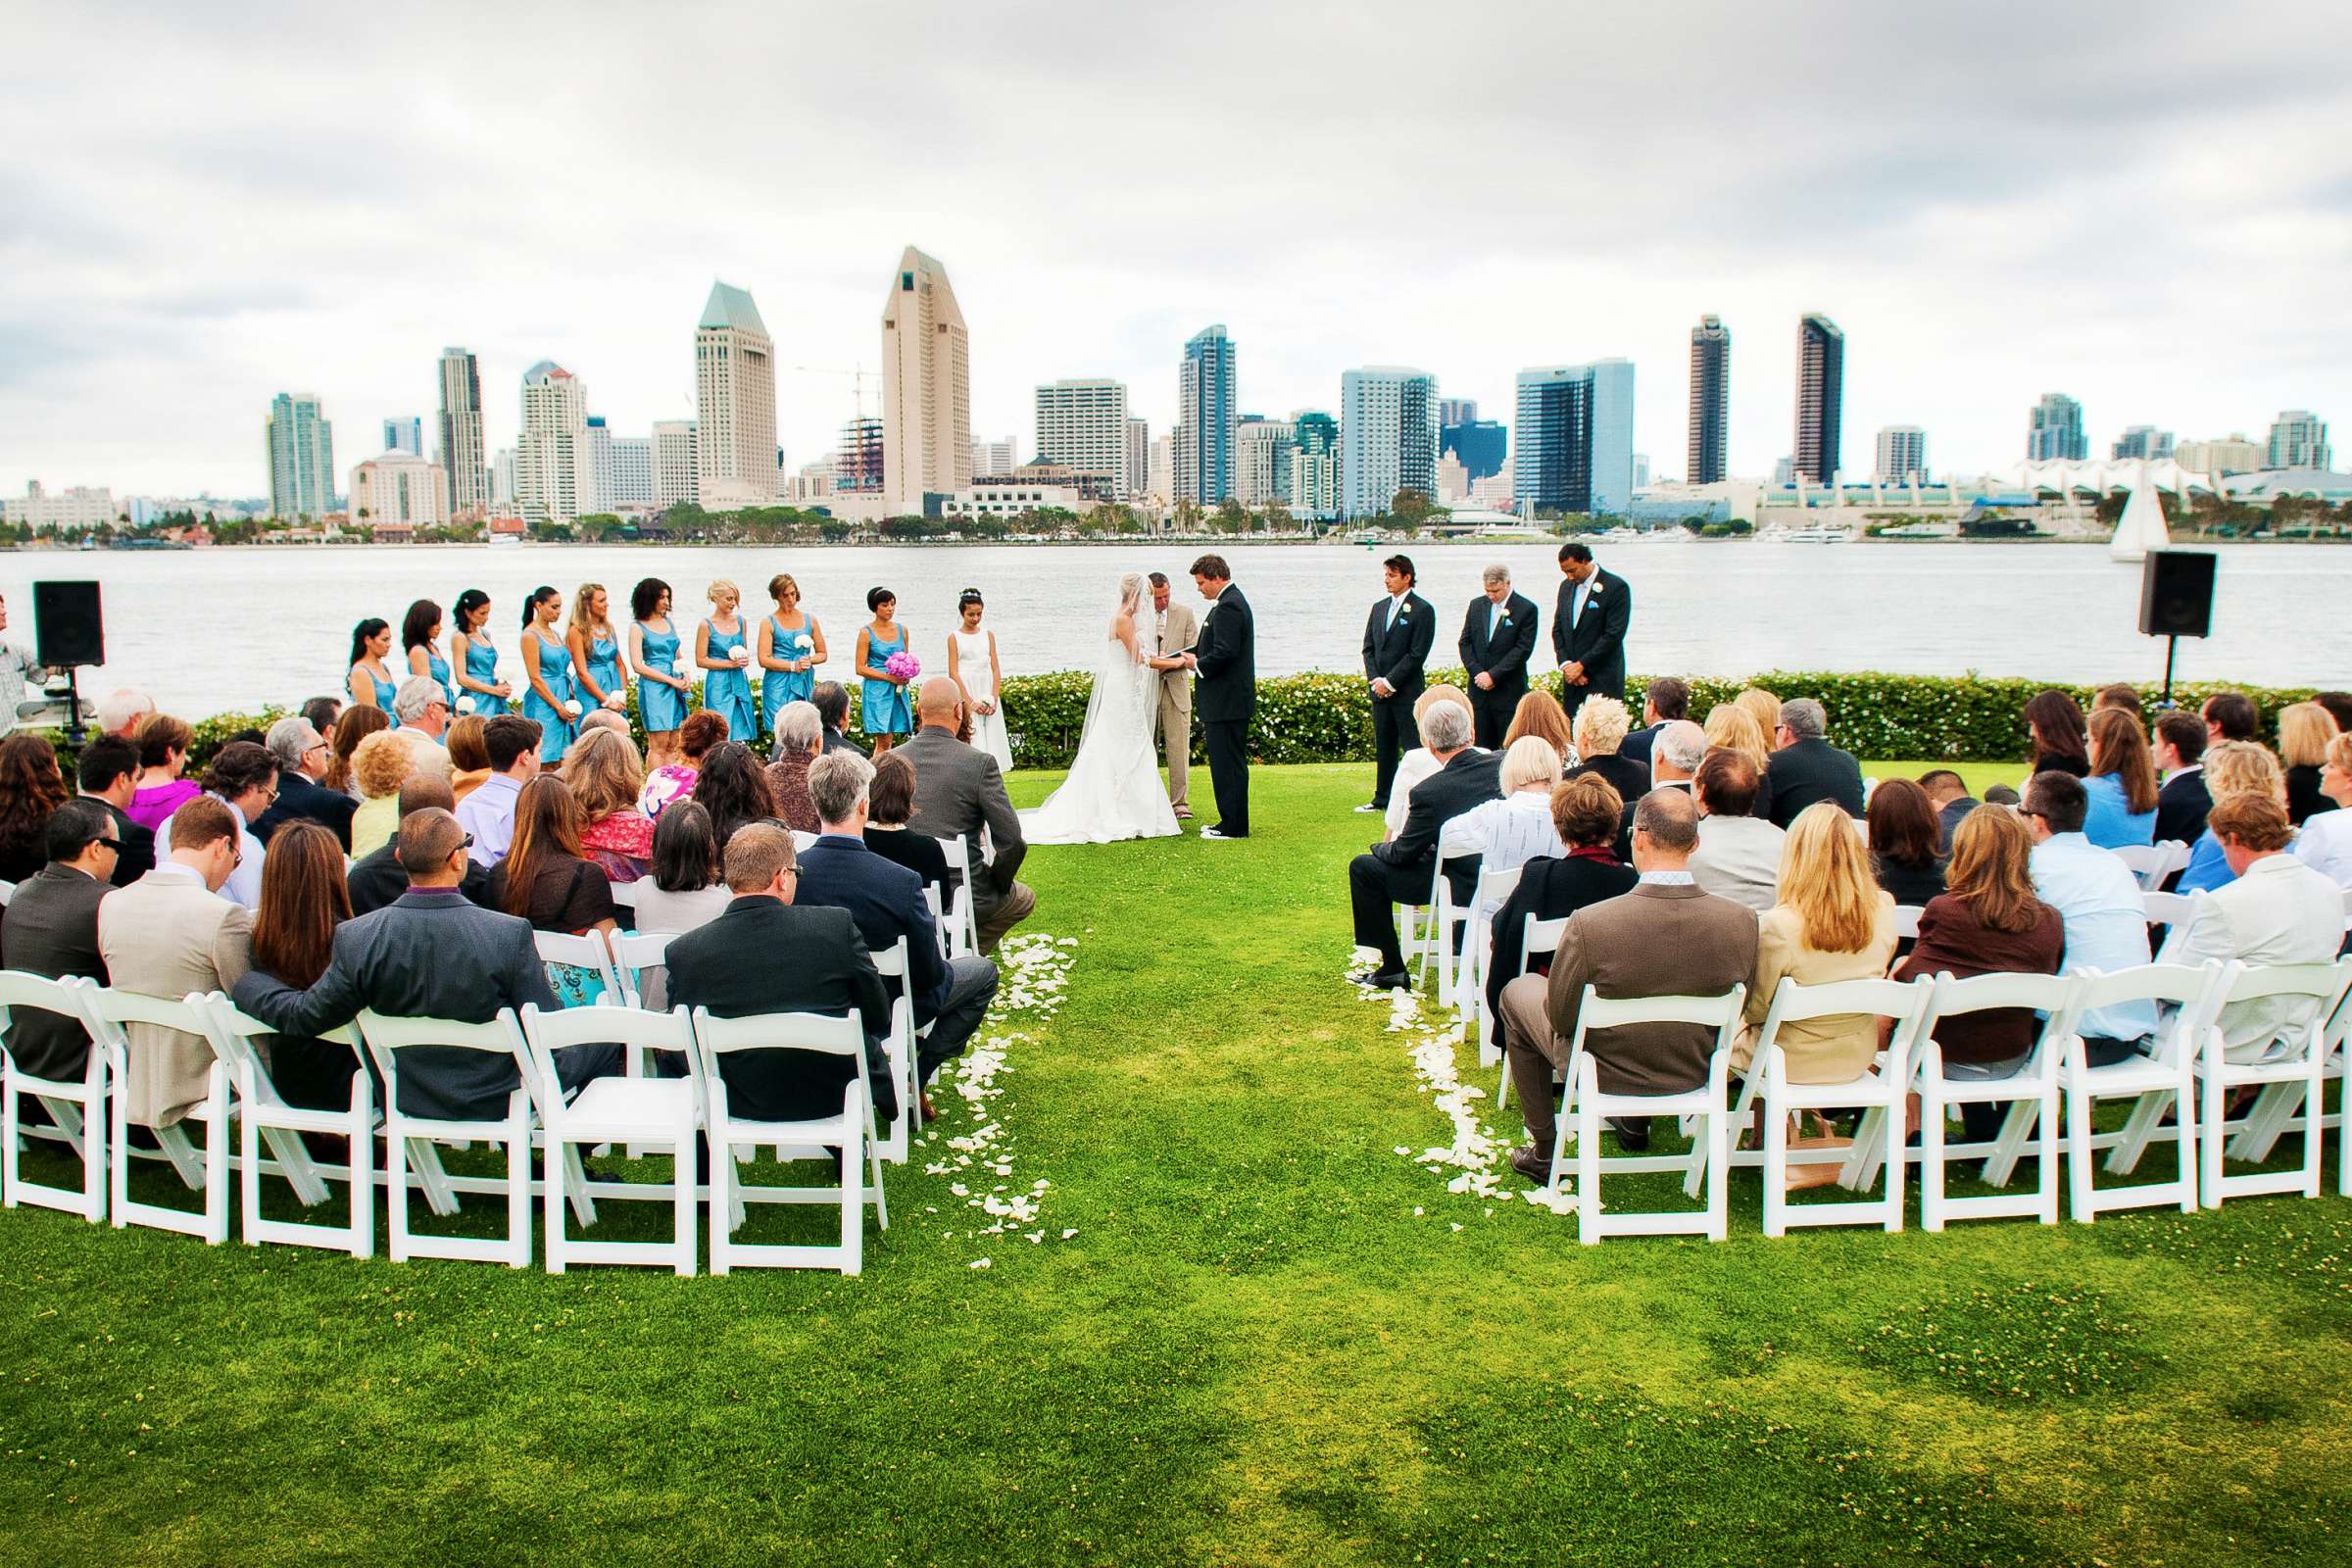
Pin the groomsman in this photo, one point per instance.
(1398, 635)
(1498, 637)
(1587, 629)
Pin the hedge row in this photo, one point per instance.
(1323, 718)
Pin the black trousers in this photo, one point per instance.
(1391, 724)
(1228, 742)
(1491, 711)
(1374, 890)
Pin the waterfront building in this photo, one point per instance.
(1576, 437)
(464, 456)
(734, 403)
(1139, 456)
(2054, 430)
(2236, 455)
(75, 509)
(1783, 473)
(405, 434)
(860, 465)
(1160, 477)
(1457, 410)
(992, 457)
(926, 384)
(1820, 398)
(2141, 441)
(552, 462)
(399, 491)
(1495, 491)
(1205, 414)
(1710, 401)
(632, 483)
(1640, 470)
(1903, 454)
(1388, 437)
(1453, 480)
(1263, 458)
(2298, 440)
(1316, 464)
(502, 477)
(301, 453)
(674, 467)
(1479, 444)
(1081, 424)
(597, 494)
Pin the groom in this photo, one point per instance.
(1226, 659)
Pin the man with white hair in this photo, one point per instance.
(1404, 868)
(1806, 767)
(1675, 753)
(302, 758)
(422, 705)
(123, 711)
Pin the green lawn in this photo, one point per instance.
(1272, 1338)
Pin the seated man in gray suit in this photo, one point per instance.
(50, 928)
(1667, 938)
(431, 954)
(957, 789)
(1739, 854)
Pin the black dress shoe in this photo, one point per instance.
(1633, 1132)
(1532, 1163)
(1386, 980)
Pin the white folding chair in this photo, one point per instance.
(264, 1116)
(203, 1170)
(586, 950)
(939, 922)
(962, 918)
(411, 1139)
(2153, 862)
(8, 891)
(899, 1046)
(634, 952)
(2162, 1080)
(1541, 941)
(1469, 987)
(1446, 919)
(1879, 1092)
(1906, 923)
(2290, 1078)
(1706, 1105)
(624, 893)
(2031, 1095)
(652, 1113)
(77, 1110)
(2172, 910)
(851, 1132)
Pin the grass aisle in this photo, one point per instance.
(1252, 1350)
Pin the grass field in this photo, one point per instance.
(1271, 1339)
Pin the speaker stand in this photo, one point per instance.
(73, 730)
(2172, 647)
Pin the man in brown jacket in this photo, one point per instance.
(1667, 938)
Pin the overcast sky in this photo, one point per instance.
(2147, 204)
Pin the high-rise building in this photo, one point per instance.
(1820, 398)
(399, 490)
(2298, 440)
(1576, 437)
(1263, 459)
(734, 403)
(1205, 414)
(1388, 437)
(1640, 470)
(861, 464)
(1903, 454)
(926, 384)
(992, 457)
(2236, 455)
(597, 494)
(1081, 424)
(674, 471)
(1316, 464)
(1783, 473)
(551, 471)
(1457, 410)
(1139, 456)
(2141, 441)
(2054, 430)
(405, 435)
(632, 473)
(1480, 445)
(1710, 401)
(1159, 475)
(465, 457)
(301, 453)
(502, 483)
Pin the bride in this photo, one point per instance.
(1113, 790)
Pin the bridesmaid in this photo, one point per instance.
(370, 681)
(597, 672)
(549, 698)
(794, 646)
(722, 649)
(662, 691)
(475, 657)
(420, 635)
(972, 665)
(884, 710)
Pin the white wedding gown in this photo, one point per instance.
(1113, 790)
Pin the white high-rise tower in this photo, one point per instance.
(926, 384)
(735, 402)
(550, 465)
(1084, 423)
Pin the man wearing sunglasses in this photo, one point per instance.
(50, 928)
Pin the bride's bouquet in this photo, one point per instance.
(902, 665)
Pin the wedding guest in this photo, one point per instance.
(791, 645)
(2230, 717)
(1403, 869)
(305, 899)
(244, 777)
(50, 929)
(1905, 854)
(378, 768)
(1599, 723)
(1676, 750)
(1499, 638)
(487, 815)
(423, 709)
(2274, 910)
(1732, 726)
(972, 664)
(1948, 793)
(598, 676)
(832, 699)
(1738, 853)
(377, 879)
(1806, 768)
(799, 735)
(368, 680)
(123, 711)
(2232, 768)
(1764, 708)
(685, 889)
(959, 791)
(2122, 782)
(2325, 842)
(2054, 722)
(2304, 731)
(2183, 800)
(1398, 635)
(674, 781)
(1507, 833)
(883, 701)
(890, 808)
(162, 754)
(31, 788)
(733, 787)
(303, 755)
(2339, 709)
(2125, 697)
(1584, 813)
(109, 776)
(1538, 714)
(321, 712)
(548, 697)
(662, 688)
(1833, 922)
(358, 723)
(2097, 899)
(474, 656)
(547, 880)
(1417, 764)
(723, 652)
(605, 778)
(468, 757)
(1663, 702)
(420, 641)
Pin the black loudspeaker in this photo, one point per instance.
(2176, 594)
(68, 624)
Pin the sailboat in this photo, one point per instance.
(2141, 528)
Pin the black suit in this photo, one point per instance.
(1947, 820)
(1396, 650)
(1596, 641)
(1813, 771)
(431, 954)
(761, 957)
(299, 798)
(377, 879)
(1505, 656)
(50, 928)
(136, 857)
(1226, 699)
(1550, 889)
(1399, 871)
(1635, 748)
(836, 741)
(2181, 806)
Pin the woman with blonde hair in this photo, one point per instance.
(2304, 731)
(1540, 714)
(1764, 708)
(605, 777)
(791, 646)
(380, 766)
(723, 652)
(2232, 768)
(2122, 782)
(1733, 729)
(1833, 921)
(1417, 764)
(2325, 842)
(1600, 728)
(596, 671)
(1509, 832)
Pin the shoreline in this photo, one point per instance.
(1203, 541)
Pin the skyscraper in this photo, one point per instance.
(632, 473)
(1316, 464)
(1820, 398)
(1139, 456)
(1710, 401)
(1457, 410)
(2141, 441)
(1479, 444)
(734, 403)
(597, 494)
(500, 482)
(1159, 473)
(1903, 454)
(2298, 440)
(859, 465)
(1083, 423)
(1206, 415)
(926, 384)
(2054, 430)
(551, 463)
(992, 457)
(405, 435)
(399, 490)
(301, 453)
(1388, 437)
(674, 479)
(1576, 437)
(1263, 458)
(463, 454)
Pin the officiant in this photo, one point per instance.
(1174, 628)
(1398, 635)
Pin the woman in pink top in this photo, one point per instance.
(163, 752)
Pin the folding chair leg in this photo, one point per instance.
(684, 1179)
(1776, 1168)
(1588, 1171)
(1931, 1159)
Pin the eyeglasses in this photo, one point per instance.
(114, 845)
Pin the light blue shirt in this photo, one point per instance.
(244, 884)
(2208, 866)
(488, 814)
(2111, 823)
(1584, 591)
(2097, 899)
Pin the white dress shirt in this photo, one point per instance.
(2325, 845)
(1506, 833)
(2279, 911)
(244, 884)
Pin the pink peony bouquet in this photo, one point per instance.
(902, 665)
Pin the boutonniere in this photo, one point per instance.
(1406, 611)
(1595, 593)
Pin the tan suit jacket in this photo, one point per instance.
(166, 934)
(1184, 630)
(1820, 1050)
(1660, 940)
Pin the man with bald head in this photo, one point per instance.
(431, 954)
(958, 789)
(377, 879)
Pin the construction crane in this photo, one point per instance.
(858, 377)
